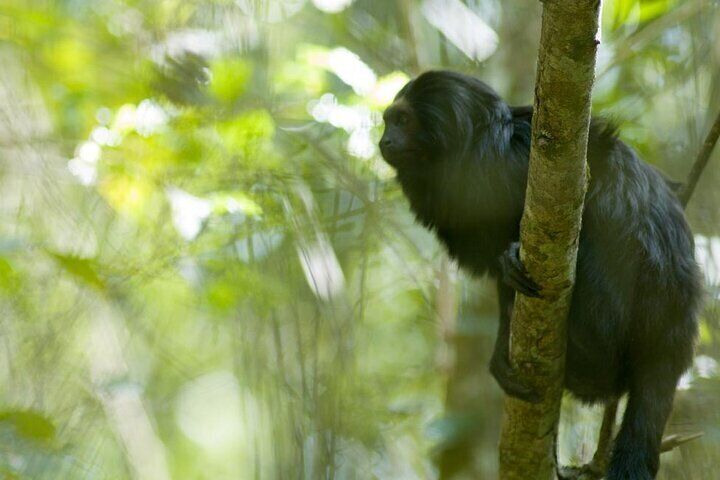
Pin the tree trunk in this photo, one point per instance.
(549, 232)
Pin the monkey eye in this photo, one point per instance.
(401, 119)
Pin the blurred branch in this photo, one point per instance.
(406, 25)
(701, 162)
(124, 406)
(458, 445)
(673, 441)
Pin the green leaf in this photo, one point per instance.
(8, 276)
(29, 424)
(622, 10)
(229, 79)
(84, 269)
(650, 10)
(248, 134)
(222, 296)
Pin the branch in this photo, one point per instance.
(672, 441)
(700, 162)
(549, 232)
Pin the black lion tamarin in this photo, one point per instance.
(461, 156)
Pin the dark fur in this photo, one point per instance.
(633, 318)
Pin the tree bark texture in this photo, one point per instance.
(549, 232)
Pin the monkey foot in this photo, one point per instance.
(511, 381)
(514, 273)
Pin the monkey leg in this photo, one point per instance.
(636, 453)
(509, 379)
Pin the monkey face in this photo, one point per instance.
(400, 141)
(442, 118)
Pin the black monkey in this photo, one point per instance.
(461, 156)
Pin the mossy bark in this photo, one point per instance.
(549, 232)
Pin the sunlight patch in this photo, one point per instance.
(346, 65)
(150, 118)
(356, 120)
(704, 366)
(271, 11)
(322, 269)
(188, 212)
(462, 27)
(387, 88)
(84, 165)
(211, 411)
(105, 137)
(707, 252)
(205, 43)
(332, 6)
(352, 70)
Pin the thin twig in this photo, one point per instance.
(672, 441)
(700, 162)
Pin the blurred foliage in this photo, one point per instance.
(206, 270)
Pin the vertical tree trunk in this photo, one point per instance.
(549, 231)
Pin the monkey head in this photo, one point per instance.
(441, 116)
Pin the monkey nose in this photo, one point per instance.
(385, 143)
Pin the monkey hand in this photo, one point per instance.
(514, 273)
(510, 380)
